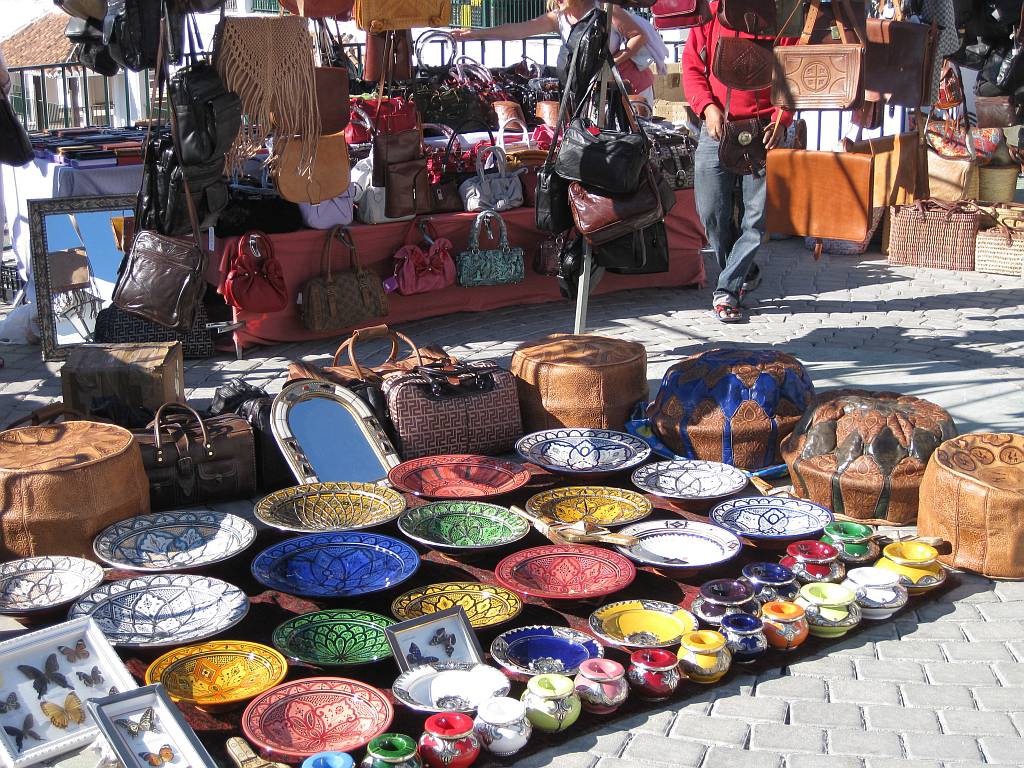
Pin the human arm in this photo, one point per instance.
(538, 26)
(629, 31)
(696, 84)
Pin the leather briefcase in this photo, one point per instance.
(743, 64)
(897, 63)
(896, 171)
(601, 218)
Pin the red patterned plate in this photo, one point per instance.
(458, 476)
(565, 572)
(294, 720)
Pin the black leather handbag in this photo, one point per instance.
(639, 253)
(15, 148)
(253, 404)
(209, 115)
(609, 160)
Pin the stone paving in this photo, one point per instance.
(944, 685)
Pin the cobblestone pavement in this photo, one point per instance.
(944, 685)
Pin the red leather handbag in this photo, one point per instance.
(387, 115)
(679, 14)
(426, 266)
(254, 280)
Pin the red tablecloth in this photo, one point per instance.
(299, 254)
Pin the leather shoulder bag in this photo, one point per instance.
(680, 14)
(503, 265)
(254, 280)
(898, 60)
(743, 63)
(499, 191)
(328, 177)
(388, 54)
(601, 218)
(334, 301)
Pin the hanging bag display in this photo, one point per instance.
(500, 191)
(424, 263)
(253, 278)
(503, 265)
(334, 301)
(381, 15)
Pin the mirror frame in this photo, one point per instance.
(299, 391)
(38, 210)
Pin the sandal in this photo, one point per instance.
(728, 314)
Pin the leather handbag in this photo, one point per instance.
(601, 158)
(254, 280)
(898, 60)
(499, 191)
(743, 64)
(951, 86)
(896, 169)
(640, 253)
(328, 177)
(449, 167)
(371, 201)
(424, 263)
(952, 179)
(254, 405)
(332, 99)
(741, 149)
(680, 14)
(333, 301)
(388, 55)
(503, 265)
(189, 460)
(601, 218)
(996, 111)
(319, 9)
(524, 155)
(755, 17)
(390, 114)
(398, 147)
(381, 15)
(407, 189)
(15, 147)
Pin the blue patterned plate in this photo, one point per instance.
(573, 451)
(689, 479)
(43, 583)
(335, 564)
(771, 517)
(680, 544)
(528, 651)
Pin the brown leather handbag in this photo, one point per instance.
(329, 176)
(898, 60)
(996, 111)
(189, 460)
(388, 55)
(741, 148)
(407, 189)
(601, 218)
(332, 99)
(333, 301)
(742, 63)
(755, 17)
(896, 167)
(398, 147)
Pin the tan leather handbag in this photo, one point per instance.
(334, 301)
(328, 177)
(896, 167)
(382, 15)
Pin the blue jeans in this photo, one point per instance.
(734, 250)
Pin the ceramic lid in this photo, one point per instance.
(726, 591)
(550, 686)
(742, 623)
(853, 533)
(502, 710)
(768, 573)
(782, 610)
(449, 725)
(912, 553)
(703, 641)
(601, 670)
(391, 747)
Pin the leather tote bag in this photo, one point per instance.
(328, 177)
(500, 191)
(382, 15)
(503, 265)
(425, 262)
(898, 60)
(601, 218)
(742, 63)
(337, 300)
(680, 14)
(254, 280)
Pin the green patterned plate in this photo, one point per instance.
(334, 637)
(319, 507)
(485, 604)
(461, 525)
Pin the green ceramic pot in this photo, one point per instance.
(334, 637)
(392, 750)
(463, 525)
(853, 541)
(551, 701)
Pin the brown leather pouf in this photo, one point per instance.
(579, 381)
(863, 454)
(62, 484)
(972, 496)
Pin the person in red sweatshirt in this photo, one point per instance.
(714, 185)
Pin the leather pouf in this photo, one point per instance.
(972, 495)
(62, 484)
(731, 405)
(566, 380)
(863, 454)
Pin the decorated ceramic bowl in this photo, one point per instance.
(528, 651)
(771, 518)
(40, 584)
(335, 564)
(577, 451)
(595, 504)
(680, 544)
(770, 581)
(173, 541)
(853, 541)
(449, 686)
(813, 561)
(334, 637)
(565, 572)
(297, 719)
(720, 597)
(831, 609)
(151, 610)
(326, 507)
(463, 525)
(218, 674)
(641, 623)
(915, 563)
(458, 476)
(486, 605)
(689, 479)
(879, 592)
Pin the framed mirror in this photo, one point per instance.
(327, 434)
(76, 253)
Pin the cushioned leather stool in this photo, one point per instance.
(566, 380)
(62, 484)
(863, 454)
(972, 495)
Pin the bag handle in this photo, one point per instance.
(49, 414)
(500, 160)
(430, 36)
(359, 116)
(369, 334)
(483, 218)
(455, 138)
(207, 445)
(839, 8)
(514, 121)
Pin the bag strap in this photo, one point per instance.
(353, 254)
(500, 160)
(515, 121)
(483, 218)
(455, 138)
(325, 253)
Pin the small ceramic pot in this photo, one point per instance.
(721, 597)
(552, 704)
(703, 656)
(448, 741)
(879, 592)
(653, 673)
(814, 562)
(502, 726)
(770, 581)
(853, 541)
(329, 760)
(831, 609)
(785, 625)
(392, 750)
(916, 565)
(744, 637)
(601, 685)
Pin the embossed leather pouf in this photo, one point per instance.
(731, 405)
(863, 453)
(972, 496)
(62, 484)
(565, 380)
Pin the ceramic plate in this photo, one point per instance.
(689, 479)
(43, 583)
(449, 686)
(680, 544)
(565, 572)
(335, 637)
(218, 673)
(524, 650)
(458, 525)
(595, 504)
(323, 507)
(458, 476)
(318, 714)
(173, 541)
(573, 451)
(642, 623)
(156, 610)
(771, 517)
(485, 604)
(335, 564)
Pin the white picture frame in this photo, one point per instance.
(443, 636)
(88, 652)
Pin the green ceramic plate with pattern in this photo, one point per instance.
(485, 604)
(319, 507)
(335, 637)
(463, 525)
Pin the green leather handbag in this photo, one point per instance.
(494, 266)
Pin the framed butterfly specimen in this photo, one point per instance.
(443, 636)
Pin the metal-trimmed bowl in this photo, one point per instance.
(330, 507)
(463, 525)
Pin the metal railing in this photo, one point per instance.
(265, 6)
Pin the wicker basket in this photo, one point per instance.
(930, 234)
(997, 184)
(1000, 251)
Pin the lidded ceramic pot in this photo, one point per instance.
(653, 673)
(916, 564)
(601, 685)
(721, 597)
(552, 704)
(853, 540)
(448, 741)
(703, 656)
(329, 760)
(879, 592)
(813, 562)
(392, 750)
(831, 609)
(502, 726)
(770, 581)
(785, 624)
(744, 637)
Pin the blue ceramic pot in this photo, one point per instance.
(543, 654)
(744, 636)
(771, 581)
(328, 760)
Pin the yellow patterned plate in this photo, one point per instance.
(642, 623)
(485, 604)
(319, 507)
(595, 504)
(218, 674)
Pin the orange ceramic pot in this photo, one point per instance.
(785, 625)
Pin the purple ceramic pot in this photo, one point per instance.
(721, 597)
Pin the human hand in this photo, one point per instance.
(714, 121)
(463, 34)
(773, 134)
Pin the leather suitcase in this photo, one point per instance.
(896, 167)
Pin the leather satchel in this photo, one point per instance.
(601, 218)
(328, 177)
(996, 111)
(407, 189)
(382, 15)
(254, 279)
(388, 55)
(335, 301)
(755, 17)
(493, 266)
(741, 149)
(898, 61)
(399, 147)
(332, 99)
(743, 64)
(680, 14)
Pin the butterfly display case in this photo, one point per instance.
(146, 730)
(46, 678)
(443, 636)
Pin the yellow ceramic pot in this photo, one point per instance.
(916, 564)
(703, 656)
(642, 623)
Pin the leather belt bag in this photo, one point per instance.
(601, 218)
(898, 61)
(741, 148)
(743, 64)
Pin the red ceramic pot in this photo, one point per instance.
(814, 561)
(653, 673)
(448, 741)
